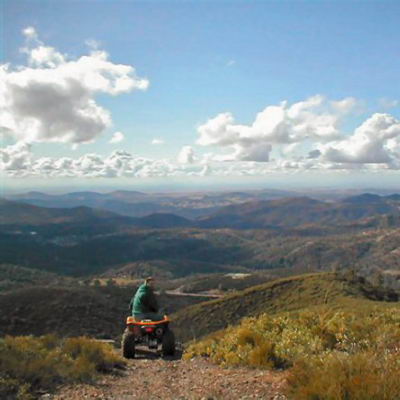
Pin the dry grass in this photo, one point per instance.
(29, 364)
(333, 355)
(340, 376)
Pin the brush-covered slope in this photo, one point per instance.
(351, 353)
(297, 211)
(288, 294)
(99, 312)
(339, 345)
(15, 276)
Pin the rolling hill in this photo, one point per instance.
(20, 214)
(288, 294)
(284, 213)
(298, 211)
(83, 241)
(16, 213)
(75, 310)
(15, 276)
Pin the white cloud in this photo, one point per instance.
(376, 141)
(93, 44)
(44, 56)
(284, 138)
(259, 152)
(117, 138)
(345, 105)
(157, 141)
(30, 32)
(186, 155)
(231, 63)
(305, 135)
(53, 98)
(16, 159)
(205, 171)
(312, 119)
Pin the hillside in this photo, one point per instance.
(15, 276)
(15, 213)
(288, 294)
(99, 312)
(298, 211)
(22, 215)
(180, 252)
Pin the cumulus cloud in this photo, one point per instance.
(16, 159)
(117, 137)
(312, 119)
(157, 141)
(186, 155)
(52, 99)
(376, 141)
(305, 135)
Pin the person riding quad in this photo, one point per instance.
(143, 304)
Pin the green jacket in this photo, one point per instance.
(144, 301)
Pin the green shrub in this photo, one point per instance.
(28, 364)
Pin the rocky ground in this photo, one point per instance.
(150, 377)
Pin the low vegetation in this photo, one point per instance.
(224, 283)
(96, 311)
(287, 294)
(13, 277)
(333, 355)
(29, 365)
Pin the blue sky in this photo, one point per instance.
(205, 58)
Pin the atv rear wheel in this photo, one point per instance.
(128, 344)
(168, 343)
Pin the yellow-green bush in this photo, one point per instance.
(101, 356)
(350, 353)
(28, 364)
(340, 375)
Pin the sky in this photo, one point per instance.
(125, 93)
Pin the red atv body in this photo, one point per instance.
(149, 333)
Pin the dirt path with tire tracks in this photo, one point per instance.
(149, 377)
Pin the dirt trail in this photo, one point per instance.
(150, 377)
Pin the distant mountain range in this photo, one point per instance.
(299, 233)
(18, 213)
(190, 205)
(259, 214)
(138, 204)
(294, 212)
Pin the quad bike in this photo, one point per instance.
(150, 333)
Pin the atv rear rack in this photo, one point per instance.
(132, 321)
